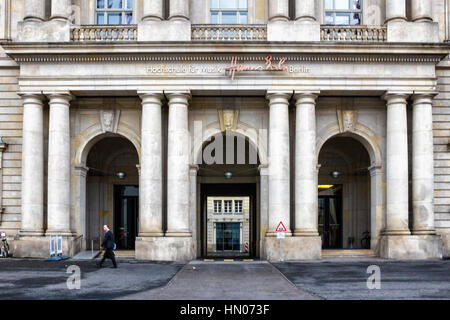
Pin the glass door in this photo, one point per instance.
(330, 222)
(126, 217)
(228, 236)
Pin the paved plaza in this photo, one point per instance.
(219, 280)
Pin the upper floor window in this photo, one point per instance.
(229, 12)
(227, 206)
(114, 12)
(238, 206)
(343, 12)
(217, 206)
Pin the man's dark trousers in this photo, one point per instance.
(109, 253)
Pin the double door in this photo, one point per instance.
(330, 221)
(126, 216)
(228, 236)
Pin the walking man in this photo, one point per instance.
(108, 246)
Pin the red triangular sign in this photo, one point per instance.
(281, 227)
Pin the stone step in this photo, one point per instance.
(86, 255)
(348, 253)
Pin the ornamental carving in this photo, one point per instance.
(109, 120)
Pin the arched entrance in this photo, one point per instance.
(112, 191)
(344, 205)
(228, 209)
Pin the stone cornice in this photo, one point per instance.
(205, 51)
(213, 57)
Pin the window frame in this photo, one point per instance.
(124, 10)
(241, 206)
(351, 11)
(220, 206)
(219, 12)
(225, 207)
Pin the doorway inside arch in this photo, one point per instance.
(112, 192)
(344, 194)
(228, 210)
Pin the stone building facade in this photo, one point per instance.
(133, 112)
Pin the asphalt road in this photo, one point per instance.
(38, 279)
(339, 279)
(259, 280)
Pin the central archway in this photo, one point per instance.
(229, 208)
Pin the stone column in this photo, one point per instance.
(179, 10)
(150, 189)
(32, 166)
(395, 10)
(278, 10)
(263, 206)
(422, 165)
(79, 203)
(376, 204)
(305, 10)
(305, 165)
(421, 10)
(396, 165)
(153, 10)
(61, 10)
(193, 170)
(279, 168)
(178, 166)
(34, 10)
(58, 203)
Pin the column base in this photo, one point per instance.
(165, 248)
(305, 233)
(31, 233)
(39, 247)
(64, 233)
(410, 247)
(293, 248)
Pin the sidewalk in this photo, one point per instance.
(219, 280)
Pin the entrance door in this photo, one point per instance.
(228, 220)
(228, 237)
(126, 217)
(330, 222)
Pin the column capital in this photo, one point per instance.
(396, 96)
(178, 97)
(375, 169)
(151, 96)
(81, 170)
(193, 169)
(279, 96)
(32, 97)
(306, 96)
(263, 170)
(65, 96)
(423, 95)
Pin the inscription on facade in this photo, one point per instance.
(231, 69)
